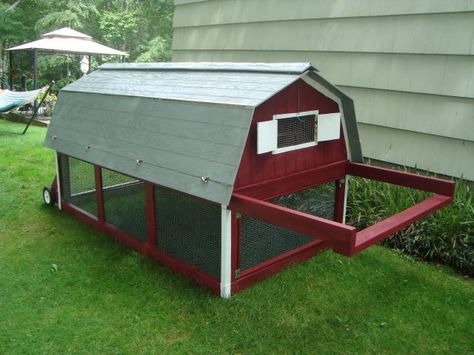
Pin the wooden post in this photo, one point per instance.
(340, 200)
(226, 252)
(150, 215)
(99, 194)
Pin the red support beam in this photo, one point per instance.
(316, 227)
(99, 194)
(340, 190)
(420, 182)
(272, 266)
(235, 236)
(174, 264)
(150, 214)
(397, 222)
(295, 182)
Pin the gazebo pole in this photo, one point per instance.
(35, 75)
(35, 69)
(90, 63)
(10, 74)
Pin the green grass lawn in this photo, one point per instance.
(67, 288)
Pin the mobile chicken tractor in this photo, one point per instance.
(224, 172)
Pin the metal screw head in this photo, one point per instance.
(139, 161)
(88, 146)
(55, 137)
(205, 179)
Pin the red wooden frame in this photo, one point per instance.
(252, 201)
(345, 239)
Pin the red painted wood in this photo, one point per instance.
(107, 228)
(99, 193)
(339, 200)
(274, 265)
(174, 264)
(295, 182)
(280, 257)
(150, 215)
(316, 227)
(54, 190)
(235, 245)
(60, 177)
(257, 168)
(397, 222)
(188, 270)
(425, 183)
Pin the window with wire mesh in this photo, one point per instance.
(261, 241)
(124, 203)
(296, 130)
(317, 201)
(189, 230)
(78, 184)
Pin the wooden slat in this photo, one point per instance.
(205, 12)
(395, 223)
(336, 233)
(433, 153)
(423, 34)
(193, 185)
(420, 182)
(177, 142)
(295, 182)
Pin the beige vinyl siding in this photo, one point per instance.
(408, 64)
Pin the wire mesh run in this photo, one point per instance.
(317, 201)
(189, 230)
(296, 130)
(261, 241)
(78, 184)
(124, 203)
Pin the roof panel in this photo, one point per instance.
(289, 68)
(215, 86)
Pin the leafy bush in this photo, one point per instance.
(446, 237)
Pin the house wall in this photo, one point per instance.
(408, 64)
(257, 168)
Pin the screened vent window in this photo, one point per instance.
(296, 130)
(288, 131)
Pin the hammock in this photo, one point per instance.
(11, 100)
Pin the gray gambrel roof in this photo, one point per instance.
(183, 120)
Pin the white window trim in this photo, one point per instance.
(298, 146)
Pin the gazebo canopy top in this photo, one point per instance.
(67, 40)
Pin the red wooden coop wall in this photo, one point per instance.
(298, 97)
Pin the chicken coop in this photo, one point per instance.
(224, 172)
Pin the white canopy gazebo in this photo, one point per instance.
(64, 40)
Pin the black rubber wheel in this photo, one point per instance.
(48, 197)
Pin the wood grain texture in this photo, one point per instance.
(208, 12)
(423, 34)
(298, 97)
(177, 142)
(408, 65)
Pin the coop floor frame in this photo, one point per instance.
(255, 202)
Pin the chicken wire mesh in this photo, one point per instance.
(317, 201)
(260, 241)
(296, 130)
(189, 230)
(124, 203)
(78, 184)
